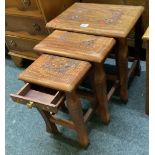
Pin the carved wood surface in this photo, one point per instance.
(55, 72)
(74, 45)
(98, 19)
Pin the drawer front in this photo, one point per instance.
(40, 98)
(27, 101)
(22, 4)
(34, 26)
(22, 46)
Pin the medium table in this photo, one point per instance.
(94, 49)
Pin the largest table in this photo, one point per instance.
(107, 20)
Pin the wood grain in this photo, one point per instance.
(17, 12)
(145, 16)
(55, 72)
(100, 88)
(74, 45)
(102, 19)
(86, 47)
(23, 5)
(46, 99)
(122, 67)
(30, 16)
(50, 126)
(75, 110)
(22, 45)
(34, 26)
(51, 9)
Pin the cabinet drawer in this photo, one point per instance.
(24, 45)
(22, 4)
(38, 96)
(34, 26)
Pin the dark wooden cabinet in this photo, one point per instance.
(26, 25)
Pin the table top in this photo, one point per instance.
(146, 34)
(74, 45)
(55, 72)
(98, 19)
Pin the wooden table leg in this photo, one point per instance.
(50, 127)
(147, 79)
(100, 88)
(139, 31)
(122, 67)
(75, 110)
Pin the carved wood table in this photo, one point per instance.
(107, 20)
(52, 79)
(146, 38)
(90, 48)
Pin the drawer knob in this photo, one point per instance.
(26, 3)
(36, 27)
(30, 105)
(12, 43)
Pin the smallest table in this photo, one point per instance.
(146, 38)
(52, 79)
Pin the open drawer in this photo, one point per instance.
(38, 96)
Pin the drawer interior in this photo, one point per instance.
(38, 93)
(42, 97)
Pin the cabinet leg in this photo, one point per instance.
(100, 89)
(17, 60)
(75, 110)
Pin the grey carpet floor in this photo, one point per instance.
(127, 133)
